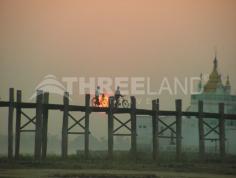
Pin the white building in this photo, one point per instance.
(144, 133)
(213, 93)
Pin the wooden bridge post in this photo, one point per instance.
(64, 142)
(110, 127)
(86, 136)
(38, 126)
(222, 130)
(201, 131)
(133, 126)
(178, 129)
(155, 130)
(45, 125)
(18, 124)
(10, 123)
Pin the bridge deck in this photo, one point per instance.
(150, 112)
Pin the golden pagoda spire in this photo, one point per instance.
(215, 63)
(215, 60)
(214, 81)
(227, 86)
(227, 81)
(200, 86)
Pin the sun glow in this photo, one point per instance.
(103, 101)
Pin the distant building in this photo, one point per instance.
(213, 93)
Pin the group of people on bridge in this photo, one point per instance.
(117, 96)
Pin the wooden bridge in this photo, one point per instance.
(40, 120)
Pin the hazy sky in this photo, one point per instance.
(147, 38)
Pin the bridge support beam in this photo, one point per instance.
(133, 127)
(178, 129)
(201, 131)
(155, 130)
(10, 123)
(18, 124)
(222, 130)
(64, 143)
(86, 139)
(45, 125)
(38, 127)
(110, 127)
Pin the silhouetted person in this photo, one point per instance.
(97, 94)
(117, 95)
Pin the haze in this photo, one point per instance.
(93, 38)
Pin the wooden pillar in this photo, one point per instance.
(10, 123)
(86, 136)
(222, 130)
(178, 129)
(45, 125)
(110, 127)
(18, 124)
(38, 127)
(133, 126)
(155, 130)
(201, 131)
(64, 142)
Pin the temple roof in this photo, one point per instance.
(214, 81)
